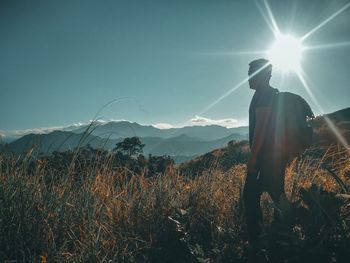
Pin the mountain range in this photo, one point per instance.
(180, 143)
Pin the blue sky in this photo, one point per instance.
(164, 61)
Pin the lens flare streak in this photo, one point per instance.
(272, 18)
(327, 46)
(231, 53)
(330, 124)
(269, 19)
(322, 24)
(231, 90)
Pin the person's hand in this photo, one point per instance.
(251, 165)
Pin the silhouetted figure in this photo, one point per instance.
(266, 166)
(279, 130)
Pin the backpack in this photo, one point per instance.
(291, 131)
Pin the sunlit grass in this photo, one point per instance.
(102, 214)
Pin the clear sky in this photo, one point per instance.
(166, 61)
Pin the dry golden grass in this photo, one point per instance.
(101, 214)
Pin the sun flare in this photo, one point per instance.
(286, 53)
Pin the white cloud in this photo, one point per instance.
(19, 133)
(103, 121)
(203, 121)
(163, 125)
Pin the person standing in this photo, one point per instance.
(267, 163)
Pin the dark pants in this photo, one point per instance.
(269, 178)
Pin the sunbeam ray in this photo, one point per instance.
(322, 24)
(223, 96)
(231, 90)
(231, 53)
(327, 46)
(272, 18)
(330, 124)
(270, 21)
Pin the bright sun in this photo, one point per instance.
(285, 53)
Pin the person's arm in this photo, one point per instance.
(262, 117)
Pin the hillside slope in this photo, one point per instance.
(238, 152)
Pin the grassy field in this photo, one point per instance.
(101, 214)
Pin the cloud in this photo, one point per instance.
(103, 121)
(20, 133)
(163, 125)
(203, 121)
